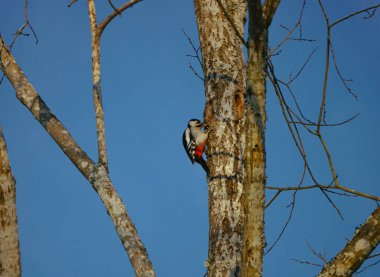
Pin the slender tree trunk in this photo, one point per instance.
(10, 265)
(352, 256)
(223, 67)
(260, 18)
(255, 158)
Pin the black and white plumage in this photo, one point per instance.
(194, 141)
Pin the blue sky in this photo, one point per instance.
(149, 93)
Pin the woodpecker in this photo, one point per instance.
(194, 141)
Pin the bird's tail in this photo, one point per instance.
(203, 163)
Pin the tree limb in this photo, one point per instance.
(354, 14)
(356, 251)
(96, 174)
(96, 85)
(327, 187)
(109, 18)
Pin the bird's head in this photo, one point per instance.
(194, 123)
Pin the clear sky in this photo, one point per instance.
(149, 94)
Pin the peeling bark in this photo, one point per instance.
(365, 240)
(223, 66)
(10, 265)
(96, 175)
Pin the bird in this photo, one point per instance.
(194, 141)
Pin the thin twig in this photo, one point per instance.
(195, 73)
(366, 267)
(333, 204)
(196, 56)
(72, 3)
(354, 14)
(328, 124)
(118, 11)
(329, 158)
(292, 205)
(19, 32)
(292, 79)
(344, 81)
(340, 187)
(306, 262)
(26, 24)
(196, 50)
(327, 63)
(298, 23)
(113, 7)
(315, 253)
(273, 198)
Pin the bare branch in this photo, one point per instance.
(113, 7)
(373, 256)
(96, 85)
(340, 187)
(295, 133)
(307, 262)
(95, 174)
(118, 11)
(356, 13)
(328, 155)
(309, 123)
(333, 204)
(344, 81)
(196, 50)
(26, 24)
(292, 205)
(292, 79)
(273, 198)
(286, 113)
(327, 63)
(315, 253)
(366, 267)
(195, 73)
(356, 251)
(290, 32)
(72, 3)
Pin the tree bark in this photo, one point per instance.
(10, 265)
(365, 240)
(223, 67)
(97, 175)
(96, 85)
(255, 157)
(260, 18)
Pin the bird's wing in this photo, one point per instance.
(189, 148)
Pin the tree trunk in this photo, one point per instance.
(223, 67)
(365, 240)
(255, 158)
(10, 265)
